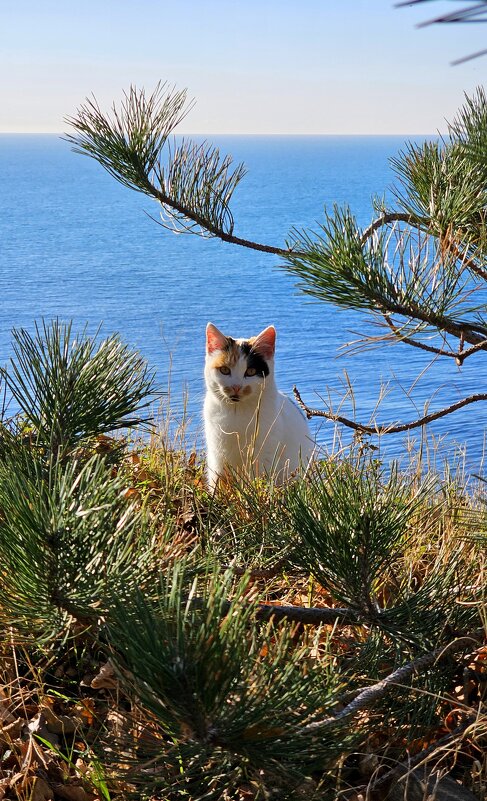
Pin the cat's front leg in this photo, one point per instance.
(215, 470)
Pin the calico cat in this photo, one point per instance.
(251, 428)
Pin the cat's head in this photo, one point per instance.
(237, 370)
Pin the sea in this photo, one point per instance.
(76, 245)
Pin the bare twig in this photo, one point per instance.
(258, 573)
(368, 696)
(386, 429)
(467, 261)
(308, 615)
(461, 356)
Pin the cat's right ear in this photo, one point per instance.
(215, 340)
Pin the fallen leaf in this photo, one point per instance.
(11, 732)
(72, 792)
(85, 711)
(105, 679)
(41, 791)
(57, 724)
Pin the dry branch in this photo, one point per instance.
(380, 429)
(368, 696)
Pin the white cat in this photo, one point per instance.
(251, 428)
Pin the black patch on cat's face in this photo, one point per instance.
(255, 360)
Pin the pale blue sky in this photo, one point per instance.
(254, 66)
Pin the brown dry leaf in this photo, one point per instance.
(71, 792)
(105, 678)
(57, 724)
(104, 443)
(260, 733)
(11, 732)
(41, 791)
(246, 793)
(33, 756)
(300, 599)
(116, 721)
(85, 710)
(4, 786)
(82, 767)
(131, 492)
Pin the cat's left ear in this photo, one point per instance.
(265, 342)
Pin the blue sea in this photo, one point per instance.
(74, 244)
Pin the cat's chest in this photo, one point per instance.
(242, 421)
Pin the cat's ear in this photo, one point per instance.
(265, 342)
(215, 340)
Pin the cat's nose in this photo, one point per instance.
(236, 388)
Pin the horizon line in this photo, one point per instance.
(237, 133)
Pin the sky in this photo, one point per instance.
(252, 66)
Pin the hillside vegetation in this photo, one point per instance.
(323, 640)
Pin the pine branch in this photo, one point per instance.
(422, 224)
(387, 429)
(200, 670)
(460, 355)
(191, 182)
(310, 616)
(471, 13)
(338, 266)
(390, 217)
(368, 696)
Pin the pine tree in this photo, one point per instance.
(418, 269)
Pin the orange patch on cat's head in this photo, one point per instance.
(227, 357)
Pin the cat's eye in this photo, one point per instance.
(250, 371)
(224, 370)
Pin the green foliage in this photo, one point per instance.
(229, 700)
(192, 182)
(250, 526)
(129, 144)
(339, 266)
(441, 191)
(226, 702)
(68, 535)
(71, 388)
(335, 264)
(69, 539)
(200, 184)
(355, 524)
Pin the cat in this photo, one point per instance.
(251, 428)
